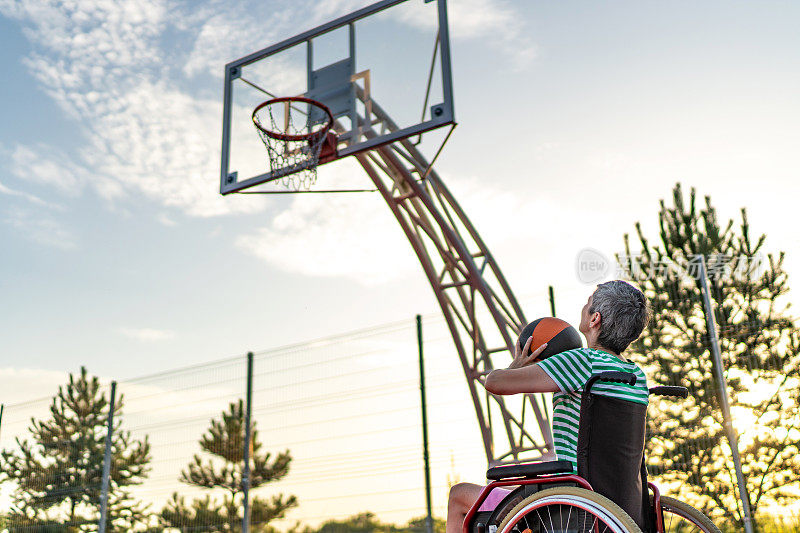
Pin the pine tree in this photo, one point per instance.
(367, 522)
(760, 352)
(224, 442)
(57, 474)
(419, 525)
(361, 523)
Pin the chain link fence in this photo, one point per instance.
(336, 429)
(336, 434)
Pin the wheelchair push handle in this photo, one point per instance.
(630, 379)
(614, 377)
(670, 390)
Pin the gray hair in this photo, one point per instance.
(624, 313)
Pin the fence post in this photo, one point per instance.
(246, 472)
(107, 461)
(425, 456)
(733, 439)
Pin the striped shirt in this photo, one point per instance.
(571, 370)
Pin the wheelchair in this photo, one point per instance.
(610, 493)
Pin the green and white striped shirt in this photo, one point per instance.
(571, 370)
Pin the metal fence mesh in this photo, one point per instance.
(346, 410)
(337, 432)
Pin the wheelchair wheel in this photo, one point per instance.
(681, 517)
(567, 510)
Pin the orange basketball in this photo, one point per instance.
(557, 333)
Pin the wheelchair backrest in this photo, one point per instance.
(610, 451)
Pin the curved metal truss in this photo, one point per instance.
(479, 308)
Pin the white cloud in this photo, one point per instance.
(24, 384)
(257, 26)
(147, 334)
(27, 394)
(45, 165)
(214, 47)
(35, 221)
(165, 220)
(27, 196)
(158, 142)
(107, 65)
(351, 236)
(41, 228)
(279, 75)
(496, 22)
(356, 237)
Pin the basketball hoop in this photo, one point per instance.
(296, 132)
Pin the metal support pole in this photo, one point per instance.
(107, 461)
(552, 301)
(426, 458)
(733, 439)
(246, 472)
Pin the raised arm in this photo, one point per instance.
(519, 380)
(522, 375)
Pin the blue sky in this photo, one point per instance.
(574, 119)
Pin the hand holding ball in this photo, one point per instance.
(557, 333)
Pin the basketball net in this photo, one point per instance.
(294, 136)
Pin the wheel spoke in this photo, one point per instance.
(569, 515)
(579, 511)
(539, 516)
(680, 517)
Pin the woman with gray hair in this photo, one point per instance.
(614, 316)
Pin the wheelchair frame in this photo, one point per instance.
(553, 480)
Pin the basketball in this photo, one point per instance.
(557, 333)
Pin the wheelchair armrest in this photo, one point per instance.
(529, 470)
(668, 390)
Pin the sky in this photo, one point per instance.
(575, 118)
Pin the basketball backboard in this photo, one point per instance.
(383, 71)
